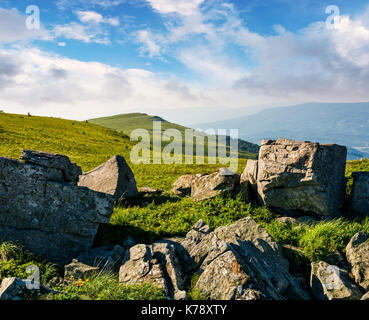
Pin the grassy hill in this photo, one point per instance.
(126, 123)
(152, 217)
(87, 144)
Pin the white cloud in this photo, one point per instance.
(90, 16)
(96, 18)
(182, 7)
(13, 28)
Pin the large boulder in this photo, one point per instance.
(157, 264)
(328, 282)
(140, 266)
(209, 186)
(241, 257)
(78, 270)
(357, 253)
(114, 177)
(13, 289)
(182, 186)
(43, 209)
(359, 202)
(302, 177)
(60, 168)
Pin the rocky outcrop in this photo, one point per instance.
(302, 177)
(182, 186)
(157, 264)
(357, 253)
(114, 177)
(140, 266)
(77, 270)
(209, 186)
(43, 209)
(12, 289)
(328, 282)
(235, 262)
(359, 201)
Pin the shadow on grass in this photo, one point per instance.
(110, 235)
(142, 201)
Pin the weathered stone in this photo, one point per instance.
(13, 289)
(359, 202)
(222, 278)
(55, 220)
(148, 191)
(139, 266)
(182, 186)
(302, 177)
(258, 260)
(250, 173)
(114, 177)
(329, 282)
(60, 167)
(77, 270)
(357, 253)
(365, 296)
(209, 186)
(166, 255)
(289, 221)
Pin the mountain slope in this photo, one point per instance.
(88, 145)
(131, 121)
(341, 123)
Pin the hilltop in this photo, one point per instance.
(88, 145)
(126, 123)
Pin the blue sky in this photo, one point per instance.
(189, 61)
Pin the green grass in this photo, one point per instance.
(14, 261)
(126, 123)
(88, 145)
(149, 219)
(105, 286)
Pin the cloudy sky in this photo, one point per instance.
(189, 61)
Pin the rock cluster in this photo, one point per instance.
(43, 209)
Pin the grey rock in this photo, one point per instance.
(250, 173)
(147, 191)
(182, 186)
(328, 282)
(60, 167)
(244, 256)
(114, 177)
(209, 186)
(77, 270)
(302, 177)
(13, 289)
(53, 219)
(129, 242)
(365, 296)
(359, 201)
(289, 221)
(357, 253)
(140, 266)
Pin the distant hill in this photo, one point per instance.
(126, 123)
(88, 145)
(342, 123)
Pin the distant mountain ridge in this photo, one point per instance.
(341, 123)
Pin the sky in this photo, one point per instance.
(189, 61)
